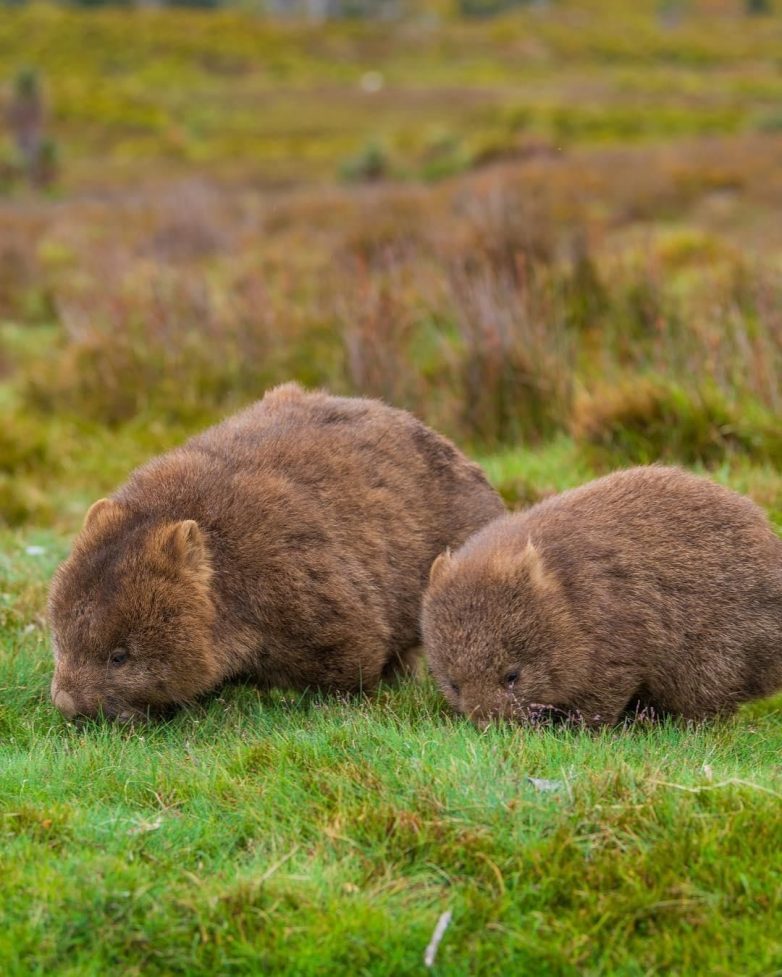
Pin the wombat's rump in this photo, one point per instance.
(650, 587)
(290, 544)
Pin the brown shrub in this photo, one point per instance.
(474, 302)
(516, 357)
(376, 327)
(166, 341)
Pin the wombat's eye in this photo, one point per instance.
(118, 657)
(511, 679)
(455, 688)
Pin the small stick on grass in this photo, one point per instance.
(439, 933)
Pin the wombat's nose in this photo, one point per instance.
(65, 703)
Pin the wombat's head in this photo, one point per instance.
(498, 634)
(131, 616)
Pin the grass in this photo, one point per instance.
(310, 835)
(555, 236)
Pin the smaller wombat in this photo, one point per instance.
(290, 545)
(651, 588)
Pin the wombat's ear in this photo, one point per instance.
(532, 562)
(185, 543)
(439, 567)
(98, 512)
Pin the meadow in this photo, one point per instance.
(553, 235)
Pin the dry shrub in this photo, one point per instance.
(516, 360)
(739, 333)
(23, 445)
(190, 227)
(586, 296)
(22, 294)
(22, 501)
(473, 302)
(645, 330)
(388, 230)
(17, 270)
(168, 342)
(436, 295)
(723, 322)
(500, 219)
(377, 324)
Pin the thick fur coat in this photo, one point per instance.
(290, 544)
(650, 588)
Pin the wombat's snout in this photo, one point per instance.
(64, 702)
(68, 700)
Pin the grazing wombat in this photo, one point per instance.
(648, 588)
(290, 544)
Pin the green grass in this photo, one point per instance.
(266, 833)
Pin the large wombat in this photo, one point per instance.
(650, 587)
(290, 544)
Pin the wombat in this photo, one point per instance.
(648, 589)
(290, 544)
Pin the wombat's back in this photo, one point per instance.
(664, 520)
(357, 456)
(329, 502)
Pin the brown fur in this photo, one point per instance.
(290, 544)
(650, 587)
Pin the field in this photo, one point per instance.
(270, 834)
(553, 235)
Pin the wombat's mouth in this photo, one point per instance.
(123, 715)
(128, 716)
(131, 714)
(543, 714)
(534, 714)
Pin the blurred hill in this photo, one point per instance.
(139, 91)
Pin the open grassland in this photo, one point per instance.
(306, 835)
(556, 237)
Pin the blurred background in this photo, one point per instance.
(550, 228)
